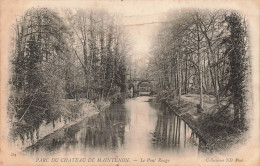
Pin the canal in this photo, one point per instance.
(137, 127)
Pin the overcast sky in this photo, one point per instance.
(142, 17)
(141, 21)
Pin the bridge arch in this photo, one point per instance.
(144, 81)
(139, 86)
(144, 88)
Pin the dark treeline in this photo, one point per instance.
(205, 52)
(64, 55)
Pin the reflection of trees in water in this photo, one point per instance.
(107, 130)
(55, 141)
(172, 132)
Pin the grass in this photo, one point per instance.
(214, 127)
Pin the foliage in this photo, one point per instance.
(80, 55)
(204, 52)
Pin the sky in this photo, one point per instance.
(141, 36)
(141, 19)
(141, 22)
(142, 30)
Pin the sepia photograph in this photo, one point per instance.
(129, 83)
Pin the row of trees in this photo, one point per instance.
(103, 46)
(204, 52)
(81, 54)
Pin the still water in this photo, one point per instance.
(136, 127)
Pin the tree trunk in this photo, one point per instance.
(200, 70)
(179, 76)
(186, 75)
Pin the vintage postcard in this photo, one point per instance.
(122, 82)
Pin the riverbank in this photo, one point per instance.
(216, 135)
(70, 112)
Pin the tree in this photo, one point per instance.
(238, 63)
(204, 52)
(39, 58)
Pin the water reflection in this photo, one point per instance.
(105, 131)
(173, 133)
(135, 127)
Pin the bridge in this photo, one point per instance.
(140, 87)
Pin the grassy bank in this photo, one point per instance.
(213, 127)
(67, 113)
